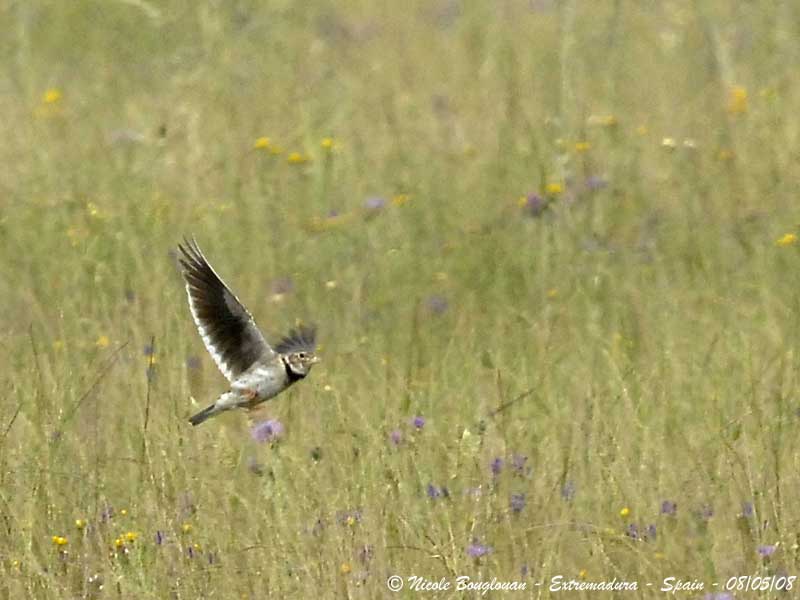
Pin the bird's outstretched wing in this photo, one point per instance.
(228, 330)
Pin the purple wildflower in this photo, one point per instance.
(568, 491)
(517, 503)
(524, 571)
(534, 205)
(595, 182)
(477, 550)
(632, 531)
(396, 437)
(270, 430)
(706, 512)
(747, 510)
(374, 203)
(668, 507)
(435, 492)
(437, 304)
(496, 466)
(767, 550)
(160, 537)
(149, 350)
(418, 422)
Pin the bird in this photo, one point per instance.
(255, 370)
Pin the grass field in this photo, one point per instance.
(550, 248)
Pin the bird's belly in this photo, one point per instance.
(264, 382)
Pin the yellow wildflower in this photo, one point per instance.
(119, 543)
(186, 528)
(552, 293)
(51, 105)
(80, 524)
(328, 388)
(351, 520)
(787, 239)
(197, 547)
(124, 512)
(331, 284)
(345, 568)
(583, 574)
(51, 96)
(582, 146)
(725, 154)
(328, 143)
(262, 143)
(553, 189)
(91, 207)
(668, 143)
(102, 341)
(625, 512)
(131, 536)
(522, 202)
(737, 100)
(296, 158)
(400, 199)
(59, 540)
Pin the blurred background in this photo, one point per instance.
(550, 248)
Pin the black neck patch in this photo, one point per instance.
(292, 375)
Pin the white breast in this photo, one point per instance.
(265, 381)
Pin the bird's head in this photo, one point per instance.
(298, 350)
(300, 363)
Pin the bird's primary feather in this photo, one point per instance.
(228, 330)
(302, 339)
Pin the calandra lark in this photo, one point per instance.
(256, 371)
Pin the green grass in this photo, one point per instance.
(636, 343)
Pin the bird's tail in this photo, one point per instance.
(204, 414)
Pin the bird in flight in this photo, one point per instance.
(256, 371)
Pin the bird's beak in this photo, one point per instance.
(316, 360)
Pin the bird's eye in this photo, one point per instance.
(302, 355)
